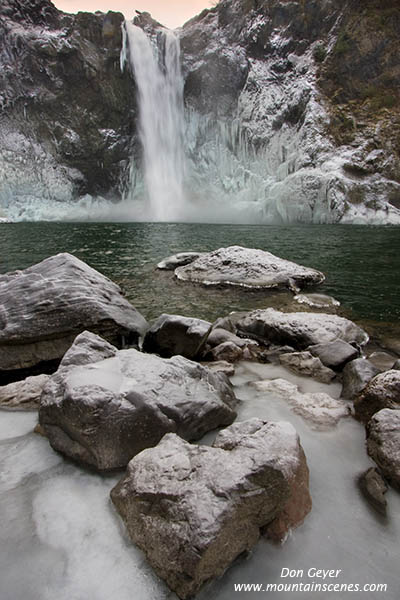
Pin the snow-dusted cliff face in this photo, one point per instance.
(294, 108)
(67, 112)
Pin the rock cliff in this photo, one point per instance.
(292, 109)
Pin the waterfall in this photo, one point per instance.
(159, 84)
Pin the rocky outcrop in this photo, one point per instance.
(68, 113)
(313, 88)
(44, 307)
(247, 268)
(383, 391)
(320, 410)
(173, 334)
(356, 375)
(23, 395)
(298, 329)
(194, 509)
(383, 443)
(103, 406)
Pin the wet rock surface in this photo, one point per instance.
(299, 330)
(383, 443)
(43, 308)
(173, 334)
(23, 395)
(194, 509)
(356, 375)
(247, 267)
(383, 391)
(103, 406)
(334, 354)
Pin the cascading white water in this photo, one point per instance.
(161, 119)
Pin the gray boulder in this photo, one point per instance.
(178, 260)
(103, 406)
(382, 360)
(304, 363)
(227, 351)
(248, 268)
(383, 391)
(25, 394)
(374, 489)
(383, 443)
(194, 509)
(170, 335)
(44, 307)
(334, 354)
(356, 374)
(299, 329)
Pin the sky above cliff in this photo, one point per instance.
(171, 13)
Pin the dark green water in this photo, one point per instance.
(361, 263)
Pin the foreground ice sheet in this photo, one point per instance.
(61, 539)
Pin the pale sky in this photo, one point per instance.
(171, 13)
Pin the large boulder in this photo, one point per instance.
(334, 354)
(383, 391)
(194, 509)
(173, 334)
(299, 329)
(356, 374)
(103, 406)
(383, 443)
(248, 268)
(43, 308)
(25, 394)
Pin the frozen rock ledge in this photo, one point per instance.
(103, 406)
(194, 509)
(248, 268)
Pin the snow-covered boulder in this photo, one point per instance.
(103, 406)
(43, 308)
(194, 509)
(247, 268)
(299, 329)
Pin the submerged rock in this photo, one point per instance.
(103, 406)
(248, 268)
(304, 363)
(317, 300)
(170, 335)
(383, 443)
(382, 360)
(299, 329)
(44, 307)
(356, 375)
(373, 487)
(194, 509)
(178, 260)
(320, 410)
(23, 394)
(383, 391)
(334, 354)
